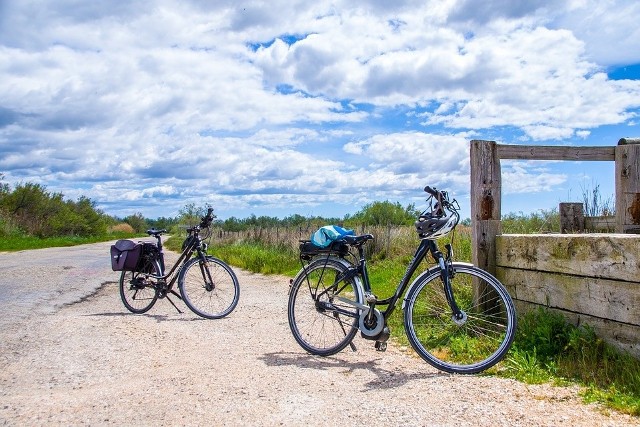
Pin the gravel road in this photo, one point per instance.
(72, 355)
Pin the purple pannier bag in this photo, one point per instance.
(125, 255)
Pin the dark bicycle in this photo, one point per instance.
(457, 317)
(207, 285)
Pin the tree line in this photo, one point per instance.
(375, 213)
(30, 209)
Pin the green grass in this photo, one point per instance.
(548, 348)
(21, 243)
(258, 258)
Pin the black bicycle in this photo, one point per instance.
(457, 317)
(207, 285)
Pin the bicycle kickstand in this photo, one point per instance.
(172, 303)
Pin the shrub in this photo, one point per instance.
(121, 228)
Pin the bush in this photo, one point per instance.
(121, 228)
(37, 212)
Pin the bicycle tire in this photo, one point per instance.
(211, 299)
(137, 290)
(319, 329)
(464, 347)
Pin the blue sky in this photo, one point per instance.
(315, 108)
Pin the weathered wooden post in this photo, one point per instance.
(627, 154)
(486, 195)
(571, 218)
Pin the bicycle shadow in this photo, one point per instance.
(157, 317)
(385, 378)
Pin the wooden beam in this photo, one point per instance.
(628, 141)
(553, 152)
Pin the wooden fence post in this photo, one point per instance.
(486, 195)
(571, 218)
(627, 154)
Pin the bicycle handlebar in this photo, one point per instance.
(442, 199)
(432, 191)
(207, 219)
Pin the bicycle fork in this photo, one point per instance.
(459, 317)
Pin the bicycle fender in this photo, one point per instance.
(426, 273)
(346, 264)
(356, 279)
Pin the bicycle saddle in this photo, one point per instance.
(154, 232)
(357, 240)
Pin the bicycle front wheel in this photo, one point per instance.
(465, 346)
(138, 291)
(320, 319)
(209, 288)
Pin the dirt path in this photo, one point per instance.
(92, 363)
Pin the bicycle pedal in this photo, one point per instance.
(381, 346)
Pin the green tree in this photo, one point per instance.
(384, 213)
(233, 224)
(30, 205)
(191, 214)
(137, 222)
(166, 223)
(92, 221)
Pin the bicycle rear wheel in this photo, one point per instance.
(210, 289)
(467, 346)
(320, 322)
(137, 290)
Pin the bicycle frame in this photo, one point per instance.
(194, 246)
(425, 247)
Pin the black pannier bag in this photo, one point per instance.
(308, 250)
(125, 255)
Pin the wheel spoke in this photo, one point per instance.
(210, 289)
(471, 346)
(318, 327)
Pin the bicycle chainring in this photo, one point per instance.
(371, 331)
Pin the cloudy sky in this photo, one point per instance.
(316, 108)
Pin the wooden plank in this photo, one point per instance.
(610, 256)
(602, 298)
(600, 224)
(554, 152)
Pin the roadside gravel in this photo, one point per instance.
(87, 361)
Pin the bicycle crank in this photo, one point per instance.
(369, 330)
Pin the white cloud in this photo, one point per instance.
(609, 29)
(292, 103)
(529, 177)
